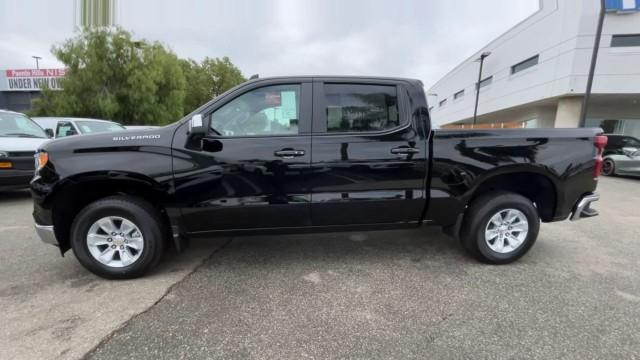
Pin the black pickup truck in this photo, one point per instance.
(308, 154)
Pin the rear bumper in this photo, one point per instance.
(583, 208)
(46, 234)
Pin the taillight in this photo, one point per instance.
(600, 141)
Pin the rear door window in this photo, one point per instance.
(361, 107)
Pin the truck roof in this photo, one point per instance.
(337, 77)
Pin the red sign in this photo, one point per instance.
(35, 73)
(272, 98)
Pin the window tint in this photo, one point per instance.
(63, 128)
(270, 110)
(458, 95)
(530, 62)
(625, 40)
(358, 107)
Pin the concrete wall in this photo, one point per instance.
(568, 112)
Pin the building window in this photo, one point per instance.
(485, 82)
(443, 102)
(625, 40)
(530, 62)
(458, 95)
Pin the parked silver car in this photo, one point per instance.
(67, 126)
(622, 156)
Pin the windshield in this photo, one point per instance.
(17, 125)
(89, 127)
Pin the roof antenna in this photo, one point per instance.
(254, 76)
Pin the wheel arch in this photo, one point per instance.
(74, 193)
(535, 185)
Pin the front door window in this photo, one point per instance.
(270, 110)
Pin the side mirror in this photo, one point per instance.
(49, 133)
(198, 125)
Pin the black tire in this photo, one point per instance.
(138, 211)
(608, 167)
(478, 216)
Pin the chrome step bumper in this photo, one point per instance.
(46, 234)
(583, 207)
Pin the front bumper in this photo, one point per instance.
(46, 234)
(15, 179)
(583, 207)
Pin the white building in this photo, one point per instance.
(537, 71)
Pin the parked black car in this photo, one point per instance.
(309, 154)
(616, 142)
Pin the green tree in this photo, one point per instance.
(208, 79)
(112, 76)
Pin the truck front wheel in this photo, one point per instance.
(500, 227)
(118, 237)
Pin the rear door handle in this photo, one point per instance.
(288, 153)
(404, 150)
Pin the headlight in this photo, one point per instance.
(42, 158)
(4, 162)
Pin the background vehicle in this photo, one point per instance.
(301, 154)
(616, 142)
(63, 126)
(20, 137)
(621, 156)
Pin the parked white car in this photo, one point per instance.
(68, 126)
(20, 138)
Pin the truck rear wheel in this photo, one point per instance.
(118, 237)
(500, 227)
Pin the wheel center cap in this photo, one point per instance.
(502, 228)
(118, 240)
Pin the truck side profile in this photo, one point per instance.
(308, 154)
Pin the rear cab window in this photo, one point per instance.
(354, 108)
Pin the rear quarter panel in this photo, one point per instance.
(464, 159)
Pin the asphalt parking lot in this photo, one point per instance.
(393, 294)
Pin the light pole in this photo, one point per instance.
(592, 67)
(37, 58)
(481, 59)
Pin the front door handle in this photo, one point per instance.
(404, 150)
(288, 153)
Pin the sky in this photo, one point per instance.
(421, 39)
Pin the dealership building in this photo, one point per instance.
(18, 87)
(535, 74)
